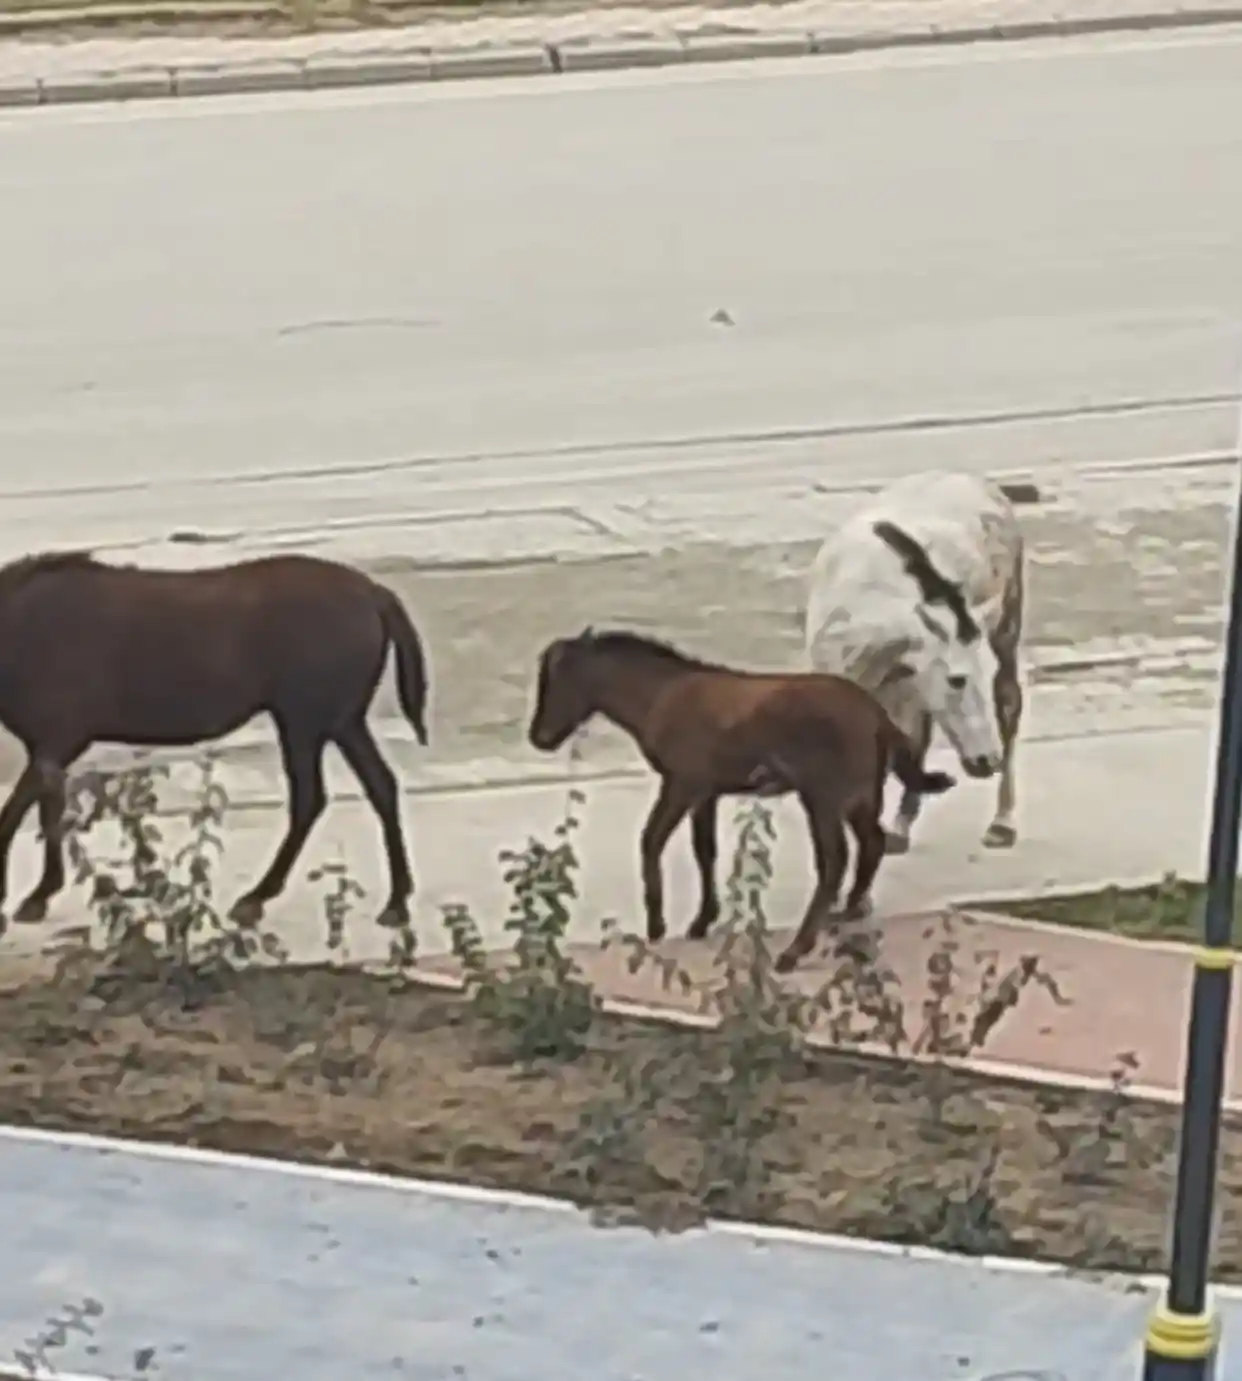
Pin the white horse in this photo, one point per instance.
(918, 597)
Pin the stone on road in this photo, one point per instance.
(502, 294)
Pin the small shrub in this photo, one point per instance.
(740, 1103)
(961, 1010)
(155, 904)
(538, 1005)
(341, 896)
(953, 1212)
(35, 1356)
(1112, 1142)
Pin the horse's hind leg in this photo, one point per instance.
(50, 775)
(23, 795)
(703, 825)
(303, 761)
(1007, 699)
(828, 843)
(362, 753)
(897, 839)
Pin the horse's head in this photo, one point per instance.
(943, 646)
(563, 699)
(953, 677)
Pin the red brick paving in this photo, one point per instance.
(1121, 996)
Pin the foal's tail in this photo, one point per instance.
(904, 765)
(411, 661)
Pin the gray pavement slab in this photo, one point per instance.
(229, 1270)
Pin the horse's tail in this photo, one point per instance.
(904, 764)
(410, 658)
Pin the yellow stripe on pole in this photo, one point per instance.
(1215, 957)
(1183, 1337)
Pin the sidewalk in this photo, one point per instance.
(1088, 812)
(581, 40)
(441, 1283)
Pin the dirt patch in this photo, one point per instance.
(338, 1067)
(1168, 909)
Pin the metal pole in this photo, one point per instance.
(1183, 1334)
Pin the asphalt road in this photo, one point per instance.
(500, 295)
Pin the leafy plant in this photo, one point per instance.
(154, 902)
(960, 1013)
(538, 1004)
(1111, 1142)
(340, 899)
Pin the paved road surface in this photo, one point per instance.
(319, 1279)
(505, 290)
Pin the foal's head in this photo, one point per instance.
(605, 672)
(563, 698)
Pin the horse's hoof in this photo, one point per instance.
(656, 932)
(247, 912)
(1000, 837)
(395, 916)
(860, 911)
(699, 927)
(31, 911)
(896, 843)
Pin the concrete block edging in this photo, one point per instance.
(397, 66)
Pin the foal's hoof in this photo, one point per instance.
(896, 843)
(31, 911)
(247, 912)
(859, 949)
(787, 961)
(395, 916)
(1000, 836)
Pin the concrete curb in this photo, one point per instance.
(531, 59)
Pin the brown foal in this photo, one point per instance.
(710, 731)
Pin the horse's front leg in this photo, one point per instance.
(1007, 700)
(1002, 833)
(670, 809)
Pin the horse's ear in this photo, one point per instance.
(587, 635)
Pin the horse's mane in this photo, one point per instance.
(621, 640)
(14, 574)
(935, 587)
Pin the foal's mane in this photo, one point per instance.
(14, 574)
(621, 640)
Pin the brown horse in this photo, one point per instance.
(97, 653)
(710, 731)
